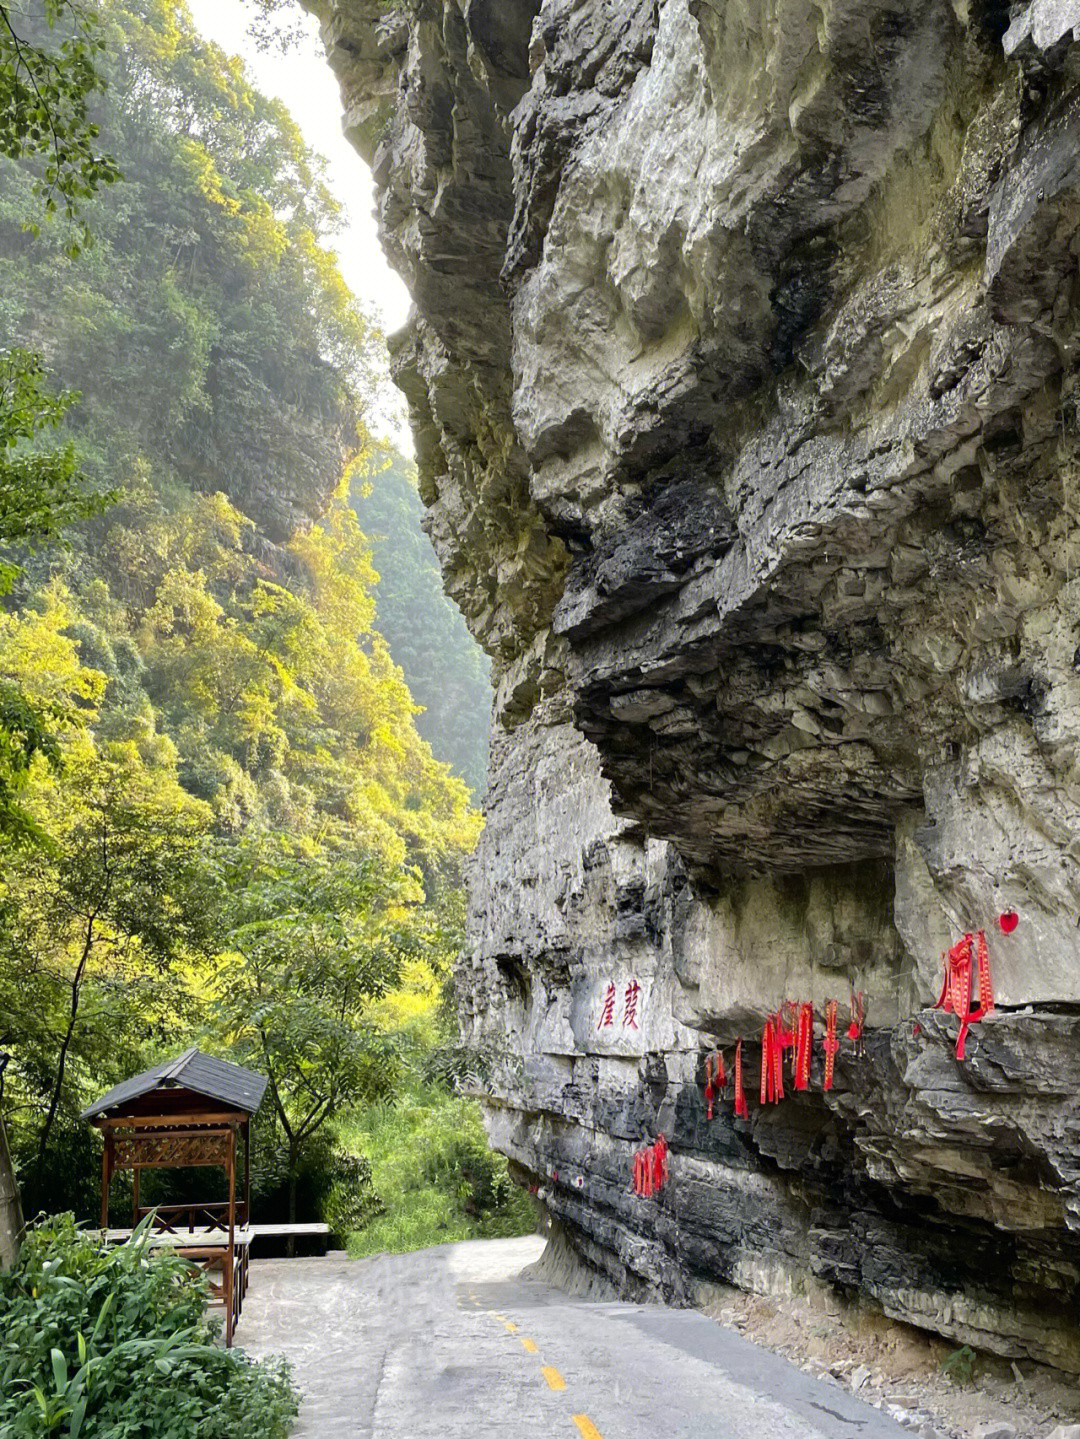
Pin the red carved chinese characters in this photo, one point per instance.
(630, 1005)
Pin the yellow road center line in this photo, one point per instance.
(586, 1427)
(553, 1377)
(529, 1345)
(511, 1326)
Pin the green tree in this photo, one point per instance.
(92, 920)
(44, 93)
(48, 74)
(11, 1216)
(314, 940)
(40, 494)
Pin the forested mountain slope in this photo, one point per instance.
(444, 667)
(241, 837)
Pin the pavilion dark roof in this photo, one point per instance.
(229, 1084)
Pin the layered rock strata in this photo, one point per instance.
(744, 380)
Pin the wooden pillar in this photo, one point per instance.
(229, 1276)
(135, 1196)
(247, 1171)
(106, 1176)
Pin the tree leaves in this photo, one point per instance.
(48, 72)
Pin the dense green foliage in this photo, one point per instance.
(445, 669)
(40, 492)
(209, 335)
(48, 74)
(241, 838)
(45, 82)
(433, 1177)
(116, 1343)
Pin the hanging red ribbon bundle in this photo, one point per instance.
(858, 1016)
(956, 991)
(642, 1172)
(659, 1162)
(772, 1074)
(715, 1079)
(741, 1110)
(986, 989)
(832, 1044)
(804, 1044)
(650, 1168)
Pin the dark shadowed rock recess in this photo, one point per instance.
(745, 380)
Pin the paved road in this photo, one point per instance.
(450, 1343)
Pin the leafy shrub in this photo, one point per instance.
(71, 1175)
(960, 1364)
(435, 1177)
(114, 1344)
(351, 1201)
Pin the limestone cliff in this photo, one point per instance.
(745, 381)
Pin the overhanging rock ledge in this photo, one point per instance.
(744, 380)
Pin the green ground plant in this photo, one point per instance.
(115, 1342)
(960, 1365)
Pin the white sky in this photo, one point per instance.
(304, 81)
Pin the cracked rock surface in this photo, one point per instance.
(744, 379)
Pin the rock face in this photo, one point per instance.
(744, 377)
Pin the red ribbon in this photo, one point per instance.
(741, 1110)
(659, 1162)
(855, 1028)
(966, 955)
(832, 1044)
(772, 1074)
(804, 1044)
(643, 1172)
(710, 1092)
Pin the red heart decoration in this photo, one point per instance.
(1008, 921)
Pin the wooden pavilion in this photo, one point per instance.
(189, 1112)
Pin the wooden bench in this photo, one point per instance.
(312, 1232)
